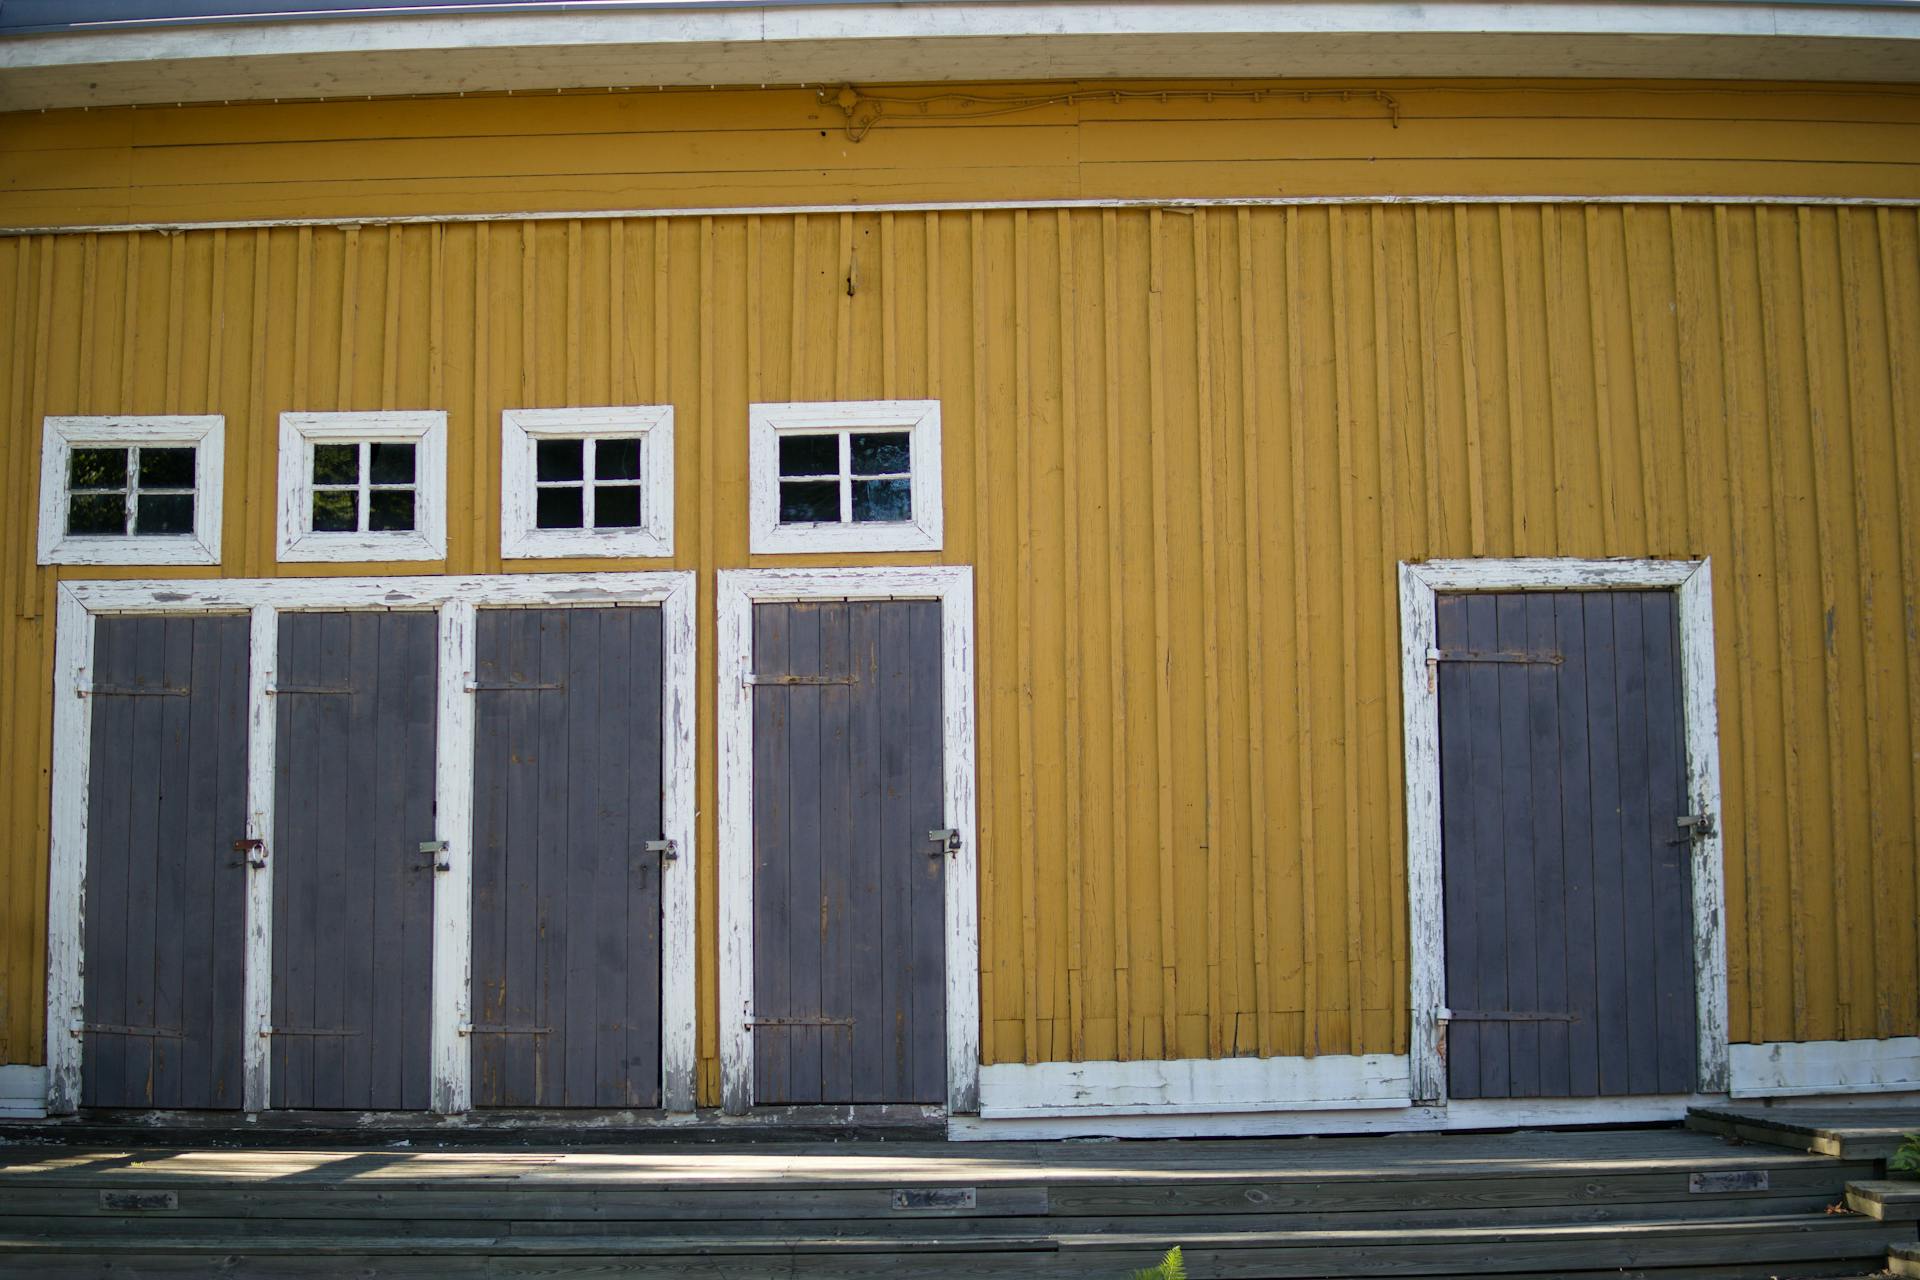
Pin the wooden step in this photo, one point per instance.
(1904, 1260)
(1886, 1200)
(1853, 1133)
(1505, 1250)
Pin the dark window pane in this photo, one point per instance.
(164, 513)
(557, 459)
(882, 500)
(336, 511)
(879, 453)
(389, 510)
(809, 455)
(616, 506)
(97, 513)
(391, 464)
(336, 464)
(558, 508)
(166, 468)
(616, 459)
(97, 469)
(810, 503)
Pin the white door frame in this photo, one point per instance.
(1692, 581)
(454, 600)
(739, 591)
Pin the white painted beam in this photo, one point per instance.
(1049, 39)
(1786, 1070)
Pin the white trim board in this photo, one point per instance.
(1788, 1070)
(1693, 582)
(1439, 198)
(1193, 1086)
(23, 1093)
(455, 599)
(739, 591)
(1504, 1114)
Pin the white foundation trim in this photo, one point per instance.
(23, 1093)
(425, 429)
(522, 429)
(1788, 1070)
(767, 423)
(739, 591)
(60, 436)
(1419, 583)
(1193, 1086)
(951, 206)
(1515, 1114)
(455, 599)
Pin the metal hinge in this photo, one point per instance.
(948, 838)
(1508, 1015)
(798, 1022)
(118, 1029)
(669, 850)
(1540, 657)
(501, 1029)
(749, 678)
(282, 690)
(133, 691)
(507, 686)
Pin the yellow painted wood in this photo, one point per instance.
(727, 148)
(1183, 453)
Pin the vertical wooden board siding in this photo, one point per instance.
(1269, 407)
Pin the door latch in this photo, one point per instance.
(1695, 826)
(254, 850)
(948, 838)
(669, 850)
(438, 848)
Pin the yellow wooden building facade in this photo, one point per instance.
(1213, 359)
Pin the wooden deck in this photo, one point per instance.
(1637, 1202)
(1863, 1133)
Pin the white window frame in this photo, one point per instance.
(768, 422)
(60, 436)
(425, 429)
(521, 429)
(1692, 583)
(455, 601)
(739, 591)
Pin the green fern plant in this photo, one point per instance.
(1170, 1268)
(1907, 1159)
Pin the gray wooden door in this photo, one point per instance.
(165, 888)
(566, 895)
(1568, 918)
(849, 942)
(352, 892)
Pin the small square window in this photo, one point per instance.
(859, 476)
(587, 482)
(363, 486)
(131, 490)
